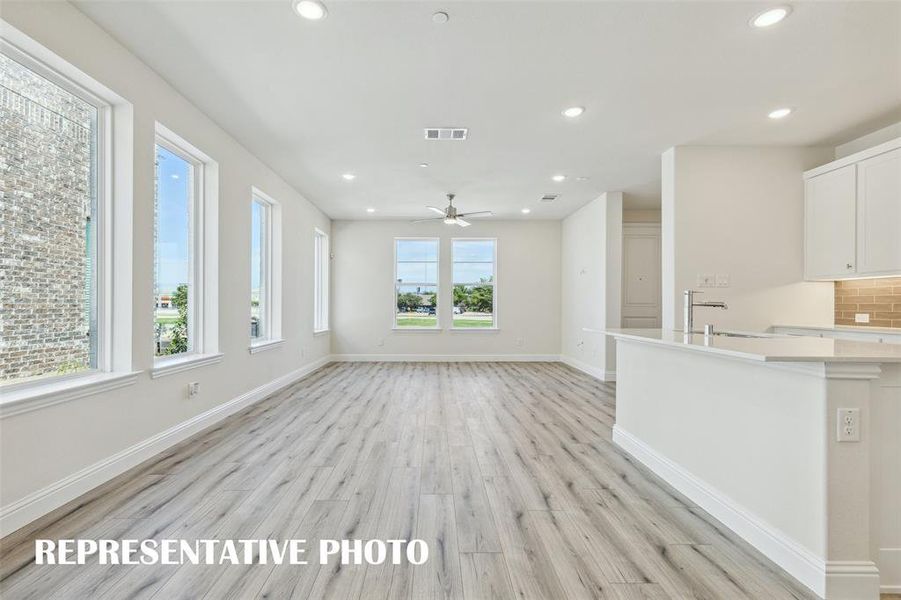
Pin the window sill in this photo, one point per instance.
(417, 329)
(171, 366)
(41, 395)
(266, 345)
(474, 330)
(321, 331)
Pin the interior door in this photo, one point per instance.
(641, 275)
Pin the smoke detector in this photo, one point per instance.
(446, 133)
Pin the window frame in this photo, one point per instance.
(111, 213)
(195, 247)
(493, 283)
(437, 285)
(272, 260)
(321, 280)
(203, 328)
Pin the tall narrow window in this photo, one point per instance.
(320, 281)
(49, 222)
(259, 270)
(474, 266)
(174, 252)
(416, 283)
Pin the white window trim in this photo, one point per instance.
(436, 285)
(113, 268)
(266, 345)
(170, 365)
(494, 326)
(272, 272)
(204, 297)
(321, 281)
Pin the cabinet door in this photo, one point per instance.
(879, 214)
(829, 228)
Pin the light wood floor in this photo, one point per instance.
(506, 469)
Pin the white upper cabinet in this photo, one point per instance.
(852, 216)
(829, 209)
(879, 214)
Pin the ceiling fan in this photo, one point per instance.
(450, 215)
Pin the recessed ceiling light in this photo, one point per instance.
(573, 111)
(558, 178)
(440, 17)
(582, 178)
(780, 113)
(770, 17)
(424, 165)
(526, 211)
(349, 176)
(370, 210)
(310, 9)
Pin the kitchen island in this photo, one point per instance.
(748, 428)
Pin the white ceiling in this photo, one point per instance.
(353, 92)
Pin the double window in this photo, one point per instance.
(474, 266)
(265, 269)
(416, 283)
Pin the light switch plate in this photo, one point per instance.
(706, 280)
(861, 317)
(722, 280)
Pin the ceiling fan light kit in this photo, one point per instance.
(450, 216)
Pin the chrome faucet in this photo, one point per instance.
(689, 307)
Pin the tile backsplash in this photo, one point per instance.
(879, 298)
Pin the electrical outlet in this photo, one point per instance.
(848, 425)
(722, 280)
(861, 317)
(706, 280)
(520, 341)
(193, 389)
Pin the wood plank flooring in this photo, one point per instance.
(505, 469)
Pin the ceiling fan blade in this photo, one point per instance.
(427, 220)
(462, 223)
(482, 213)
(437, 210)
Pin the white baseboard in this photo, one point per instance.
(889, 562)
(592, 370)
(846, 580)
(21, 512)
(445, 357)
(798, 561)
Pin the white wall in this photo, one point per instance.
(868, 141)
(740, 211)
(528, 291)
(46, 445)
(592, 283)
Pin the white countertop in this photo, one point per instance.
(874, 330)
(771, 348)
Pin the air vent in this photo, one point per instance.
(549, 197)
(446, 133)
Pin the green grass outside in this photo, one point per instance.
(167, 319)
(432, 321)
(424, 321)
(464, 322)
